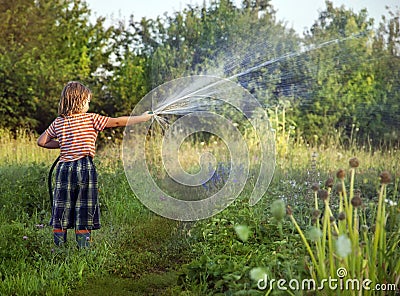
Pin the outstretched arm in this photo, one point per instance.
(128, 120)
(46, 142)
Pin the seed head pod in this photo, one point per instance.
(315, 186)
(356, 201)
(329, 182)
(289, 211)
(340, 174)
(342, 216)
(339, 187)
(332, 219)
(316, 214)
(354, 163)
(323, 194)
(385, 177)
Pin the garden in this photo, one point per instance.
(316, 115)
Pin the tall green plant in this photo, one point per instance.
(353, 250)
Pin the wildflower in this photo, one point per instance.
(40, 226)
(343, 246)
(323, 194)
(340, 174)
(391, 202)
(24, 237)
(354, 162)
(278, 209)
(385, 177)
(329, 182)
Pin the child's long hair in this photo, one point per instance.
(73, 98)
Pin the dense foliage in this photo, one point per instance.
(350, 87)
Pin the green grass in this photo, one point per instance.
(147, 284)
(133, 244)
(139, 253)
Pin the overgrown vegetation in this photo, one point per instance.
(139, 252)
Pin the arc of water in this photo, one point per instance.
(304, 50)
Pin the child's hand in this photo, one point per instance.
(147, 115)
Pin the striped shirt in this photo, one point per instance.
(77, 134)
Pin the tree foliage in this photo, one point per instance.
(350, 84)
(43, 44)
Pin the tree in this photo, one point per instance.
(343, 80)
(43, 45)
(384, 119)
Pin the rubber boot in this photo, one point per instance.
(60, 236)
(82, 238)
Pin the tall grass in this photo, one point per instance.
(20, 147)
(131, 242)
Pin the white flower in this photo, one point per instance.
(391, 202)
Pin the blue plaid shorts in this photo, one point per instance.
(75, 202)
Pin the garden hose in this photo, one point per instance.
(49, 180)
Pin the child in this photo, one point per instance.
(74, 131)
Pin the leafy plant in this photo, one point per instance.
(359, 245)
